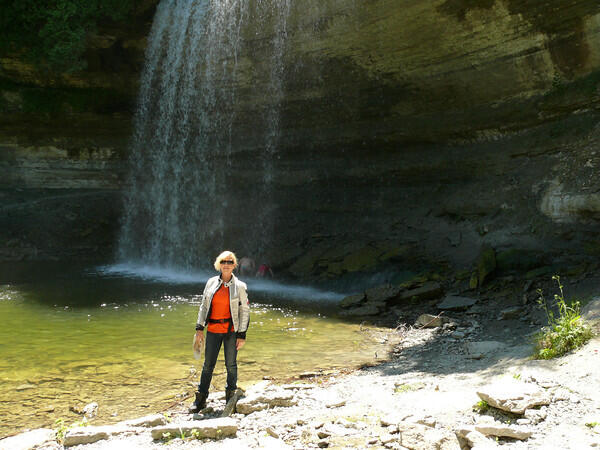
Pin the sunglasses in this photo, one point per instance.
(226, 261)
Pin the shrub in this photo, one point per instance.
(53, 33)
(565, 332)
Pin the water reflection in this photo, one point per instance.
(70, 337)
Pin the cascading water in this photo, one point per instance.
(179, 199)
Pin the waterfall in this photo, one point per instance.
(179, 200)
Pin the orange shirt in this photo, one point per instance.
(220, 310)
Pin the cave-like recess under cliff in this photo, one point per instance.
(408, 132)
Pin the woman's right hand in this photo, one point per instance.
(200, 335)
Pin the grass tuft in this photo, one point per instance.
(565, 332)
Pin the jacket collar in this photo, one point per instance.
(228, 283)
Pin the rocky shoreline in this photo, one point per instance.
(464, 381)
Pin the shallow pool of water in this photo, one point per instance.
(71, 336)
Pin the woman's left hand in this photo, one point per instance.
(239, 343)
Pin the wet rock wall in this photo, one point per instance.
(408, 131)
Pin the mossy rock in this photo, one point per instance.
(306, 264)
(576, 271)
(539, 272)
(334, 269)
(462, 274)
(363, 259)
(402, 277)
(517, 260)
(353, 301)
(474, 280)
(391, 252)
(592, 248)
(339, 252)
(486, 264)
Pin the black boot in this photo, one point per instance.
(199, 404)
(228, 394)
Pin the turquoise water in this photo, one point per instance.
(70, 337)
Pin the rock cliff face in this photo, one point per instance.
(407, 130)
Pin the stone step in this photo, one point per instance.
(211, 428)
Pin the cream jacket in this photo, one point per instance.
(239, 306)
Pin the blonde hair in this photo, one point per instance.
(223, 255)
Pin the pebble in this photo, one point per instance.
(271, 432)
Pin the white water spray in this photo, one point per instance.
(177, 202)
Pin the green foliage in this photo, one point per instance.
(167, 436)
(53, 33)
(592, 424)
(564, 332)
(406, 387)
(196, 434)
(481, 406)
(61, 429)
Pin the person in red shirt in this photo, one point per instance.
(225, 313)
(264, 270)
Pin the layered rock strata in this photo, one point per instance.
(422, 128)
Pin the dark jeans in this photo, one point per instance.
(211, 351)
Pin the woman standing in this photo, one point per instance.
(225, 312)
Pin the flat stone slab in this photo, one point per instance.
(429, 321)
(298, 386)
(29, 439)
(476, 440)
(501, 430)
(369, 309)
(456, 303)
(211, 428)
(88, 435)
(429, 290)
(477, 350)
(514, 312)
(257, 400)
(514, 396)
(153, 420)
(417, 436)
